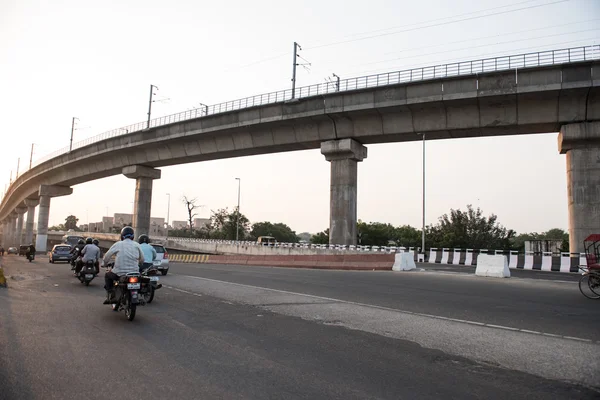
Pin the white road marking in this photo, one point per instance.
(439, 317)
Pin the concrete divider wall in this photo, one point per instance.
(347, 261)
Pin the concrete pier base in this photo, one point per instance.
(31, 205)
(581, 144)
(46, 193)
(343, 154)
(142, 205)
(20, 220)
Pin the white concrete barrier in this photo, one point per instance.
(547, 261)
(445, 254)
(495, 266)
(404, 261)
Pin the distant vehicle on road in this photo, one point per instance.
(71, 239)
(162, 259)
(23, 249)
(60, 252)
(267, 240)
(12, 250)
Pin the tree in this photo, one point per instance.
(321, 237)
(518, 242)
(71, 222)
(191, 205)
(281, 232)
(469, 229)
(407, 236)
(375, 233)
(60, 227)
(223, 224)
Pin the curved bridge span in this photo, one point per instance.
(534, 95)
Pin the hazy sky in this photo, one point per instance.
(95, 61)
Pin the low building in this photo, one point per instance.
(544, 245)
(177, 225)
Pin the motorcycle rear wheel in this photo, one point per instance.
(130, 311)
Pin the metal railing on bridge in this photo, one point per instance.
(527, 60)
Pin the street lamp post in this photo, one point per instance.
(72, 129)
(168, 210)
(423, 226)
(150, 105)
(237, 222)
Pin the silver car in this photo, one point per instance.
(162, 259)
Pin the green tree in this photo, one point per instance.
(281, 232)
(321, 237)
(71, 222)
(407, 236)
(223, 224)
(375, 233)
(469, 229)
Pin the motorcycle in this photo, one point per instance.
(149, 278)
(87, 273)
(126, 293)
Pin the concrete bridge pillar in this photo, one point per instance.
(46, 193)
(31, 205)
(143, 195)
(344, 155)
(581, 143)
(4, 234)
(20, 212)
(12, 229)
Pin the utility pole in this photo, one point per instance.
(31, 156)
(423, 227)
(72, 129)
(168, 210)
(205, 108)
(150, 105)
(296, 46)
(237, 223)
(337, 83)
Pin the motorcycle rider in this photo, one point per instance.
(97, 243)
(149, 252)
(30, 250)
(129, 256)
(90, 252)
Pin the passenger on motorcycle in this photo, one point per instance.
(76, 250)
(90, 252)
(129, 257)
(149, 252)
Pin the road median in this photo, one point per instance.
(358, 262)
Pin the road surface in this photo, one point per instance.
(229, 332)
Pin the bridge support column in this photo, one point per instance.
(12, 229)
(143, 195)
(581, 143)
(344, 156)
(46, 193)
(20, 212)
(3, 242)
(31, 205)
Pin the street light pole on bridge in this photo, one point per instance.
(72, 129)
(150, 105)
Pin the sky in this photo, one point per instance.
(96, 60)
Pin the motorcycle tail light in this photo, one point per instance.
(133, 279)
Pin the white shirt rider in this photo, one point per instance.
(129, 256)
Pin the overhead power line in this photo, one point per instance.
(434, 25)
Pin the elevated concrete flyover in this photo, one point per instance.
(485, 100)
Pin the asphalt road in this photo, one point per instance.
(530, 302)
(210, 339)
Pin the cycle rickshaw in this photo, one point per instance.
(589, 284)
